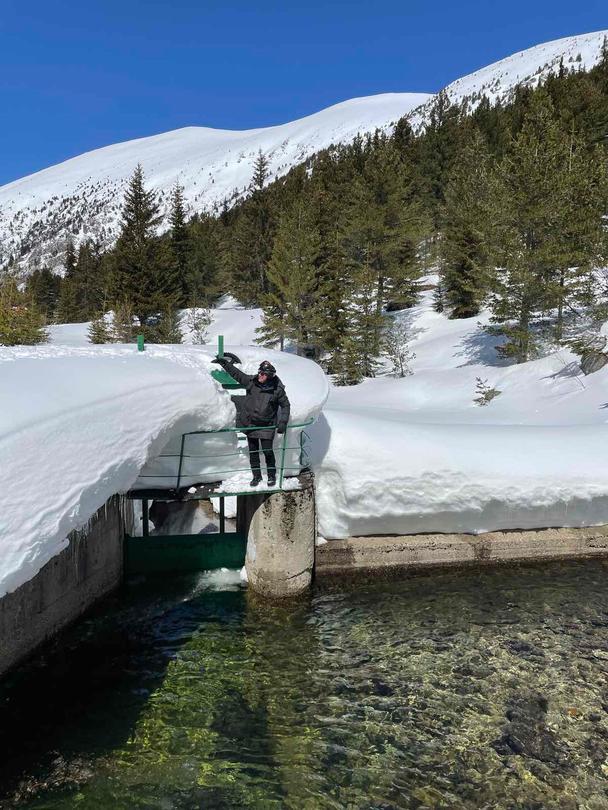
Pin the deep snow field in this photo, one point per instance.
(78, 423)
(419, 455)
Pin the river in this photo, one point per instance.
(470, 689)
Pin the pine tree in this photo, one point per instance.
(580, 209)
(385, 225)
(527, 246)
(436, 152)
(67, 305)
(69, 261)
(346, 363)
(138, 258)
(260, 172)
(439, 297)
(99, 331)
(43, 288)
(68, 310)
(167, 330)
(466, 215)
(204, 277)
(249, 245)
(355, 357)
(198, 320)
(124, 329)
(292, 277)
(89, 281)
(21, 323)
(328, 320)
(395, 346)
(180, 242)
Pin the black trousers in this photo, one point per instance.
(254, 456)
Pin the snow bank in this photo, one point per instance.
(416, 454)
(78, 424)
(384, 476)
(399, 456)
(224, 456)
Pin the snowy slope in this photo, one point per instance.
(82, 196)
(78, 424)
(237, 324)
(529, 67)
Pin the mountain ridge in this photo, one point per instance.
(81, 197)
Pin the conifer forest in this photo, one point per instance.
(503, 207)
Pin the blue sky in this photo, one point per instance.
(78, 75)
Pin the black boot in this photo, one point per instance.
(257, 479)
(272, 480)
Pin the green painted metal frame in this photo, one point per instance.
(224, 379)
(282, 469)
(184, 553)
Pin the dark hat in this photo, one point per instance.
(266, 368)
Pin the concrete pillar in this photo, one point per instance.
(281, 533)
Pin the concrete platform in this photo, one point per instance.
(390, 555)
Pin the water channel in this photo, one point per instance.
(478, 689)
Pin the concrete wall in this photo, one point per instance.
(88, 569)
(389, 555)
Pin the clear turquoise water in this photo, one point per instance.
(465, 690)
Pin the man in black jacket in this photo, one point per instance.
(264, 398)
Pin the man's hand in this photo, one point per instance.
(281, 429)
(219, 360)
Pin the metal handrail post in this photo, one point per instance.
(281, 472)
(222, 516)
(145, 518)
(181, 461)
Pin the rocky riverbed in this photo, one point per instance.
(470, 689)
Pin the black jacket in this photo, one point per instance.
(264, 404)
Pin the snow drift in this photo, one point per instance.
(400, 456)
(78, 424)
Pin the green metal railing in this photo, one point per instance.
(303, 458)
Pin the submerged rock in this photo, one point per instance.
(527, 733)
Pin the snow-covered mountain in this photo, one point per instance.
(81, 197)
(529, 67)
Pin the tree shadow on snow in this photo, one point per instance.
(568, 371)
(479, 348)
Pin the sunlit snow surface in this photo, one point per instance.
(212, 165)
(77, 424)
(418, 455)
(529, 67)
